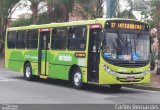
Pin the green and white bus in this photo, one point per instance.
(101, 51)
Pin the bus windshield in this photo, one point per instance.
(126, 47)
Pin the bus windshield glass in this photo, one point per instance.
(126, 47)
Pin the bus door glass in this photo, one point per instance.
(94, 53)
(44, 44)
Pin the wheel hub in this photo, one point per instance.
(77, 78)
(28, 72)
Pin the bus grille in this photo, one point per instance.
(132, 65)
(128, 64)
(130, 73)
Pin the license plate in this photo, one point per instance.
(130, 78)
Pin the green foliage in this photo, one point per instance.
(151, 14)
(7, 7)
(22, 22)
(43, 18)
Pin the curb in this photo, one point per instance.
(142, 87)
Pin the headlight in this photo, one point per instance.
(107, 69)
(146, 72)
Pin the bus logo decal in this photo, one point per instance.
(131, 72)
(31, 57)
(64, 57)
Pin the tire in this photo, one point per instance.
(28, 72)
(115, 87)
(77, 79)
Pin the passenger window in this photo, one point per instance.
(32, 39)
(59, 38)
(11, 39)
(21, 38)
(77, 38)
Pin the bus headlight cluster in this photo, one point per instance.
(146, 72)
(108, 70)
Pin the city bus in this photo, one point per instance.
(110, 52)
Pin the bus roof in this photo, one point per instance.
(85, 22)
(73, 23)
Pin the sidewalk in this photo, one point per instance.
(1, 62)
(155, 80)
(153, 85)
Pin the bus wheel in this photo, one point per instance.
(28, 72)
(115, 87)
(77, 79)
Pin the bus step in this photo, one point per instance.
(43, 77)
(96, 83)
(94, 71)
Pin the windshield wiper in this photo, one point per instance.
(138, 35)
(120, 37)
(135, 46)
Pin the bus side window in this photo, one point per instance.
(77, 38)
(72, 44)
(32, 39)
(59, 38)
(11, 39)
(20, 41)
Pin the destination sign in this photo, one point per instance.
(127, 26)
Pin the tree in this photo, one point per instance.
(58, 10)
(22, 22)
(62, 8)
(34, 8)
(152, 15)
(90, 8)
(127, 12)
(99, 8)
(156, 17)
(7, 7)
(50, 9)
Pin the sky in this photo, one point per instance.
(19, 12)
(21, 9)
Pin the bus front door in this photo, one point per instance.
(43, 50)
(94, 55)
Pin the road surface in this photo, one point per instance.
(15, 90)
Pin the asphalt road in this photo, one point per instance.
(15, 90)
